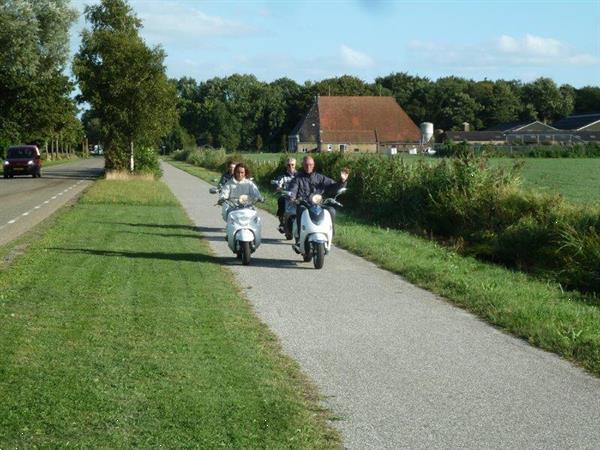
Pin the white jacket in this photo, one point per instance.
(233, 189)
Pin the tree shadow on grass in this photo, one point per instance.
(189, 257)
(158, 225)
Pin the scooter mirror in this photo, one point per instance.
(341, 190)
(213, 190)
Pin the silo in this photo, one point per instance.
(426, 132)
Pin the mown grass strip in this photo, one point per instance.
(566, 323)
(120, 329)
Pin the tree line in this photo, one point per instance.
(35, 94)
(129, 101)
(240, 112)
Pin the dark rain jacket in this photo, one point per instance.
(303, 186)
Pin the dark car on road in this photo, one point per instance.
(23, 160)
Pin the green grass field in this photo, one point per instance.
(567, 323)
(577, 179)
(120, 329)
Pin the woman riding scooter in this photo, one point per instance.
(239, 185)
(243, 228)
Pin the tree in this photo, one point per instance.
(344, 85)
(34, 92)
(499, 102)
(411, 92)
(547, 99)
(124, 81)
(587, 100)
(451, 104)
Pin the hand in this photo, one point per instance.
(220, 201)
(344, 174)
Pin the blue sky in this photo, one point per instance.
(312, 40)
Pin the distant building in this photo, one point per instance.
(535, 132)
(581, 122)
(354, 124)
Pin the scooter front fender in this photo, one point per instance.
(320, 238)
(244, 235)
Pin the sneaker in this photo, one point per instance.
(281, 229)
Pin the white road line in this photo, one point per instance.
(37, 207)
(54, 197)
(26, 213)
(10, 222)
(46, 202)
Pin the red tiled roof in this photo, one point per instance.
(346, 136)
(380, 116)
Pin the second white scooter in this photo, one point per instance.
(316, 229)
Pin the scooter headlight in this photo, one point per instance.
(317, 199)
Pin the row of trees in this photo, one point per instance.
(131, 101)
(241, 112)
(35, 101)
(122, 80)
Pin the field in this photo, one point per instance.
(577, 179)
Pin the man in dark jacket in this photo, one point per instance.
(309, 182)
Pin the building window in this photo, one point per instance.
(357, 150)
(343, 147)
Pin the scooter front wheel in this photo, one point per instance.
(246, 253)
(319, 255)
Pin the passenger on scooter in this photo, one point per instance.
(239, 185)
(227, 175)
(309, 182)
(282, 183)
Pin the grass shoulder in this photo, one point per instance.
(567, 323)
(121, 329)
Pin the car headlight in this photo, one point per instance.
(30, 163)
(6, 163)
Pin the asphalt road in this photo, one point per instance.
(399, 366)
(26, 201)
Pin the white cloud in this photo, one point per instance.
(354, 58)
(173, 23)
(532, 46)
(529, 50)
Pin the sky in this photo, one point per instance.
(312, 40)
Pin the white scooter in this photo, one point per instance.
(316, 229)
(243, 229)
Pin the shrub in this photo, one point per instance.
(146, 161)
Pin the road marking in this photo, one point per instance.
(10, 222)
(54, 197)
(37, 207)
(46, 202)
(26, 213)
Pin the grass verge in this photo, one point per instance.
(566, 323)
(120, 329)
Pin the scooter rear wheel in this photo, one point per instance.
(246, 253)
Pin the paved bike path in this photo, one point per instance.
(399, 366)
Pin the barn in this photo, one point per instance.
(364, 124)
